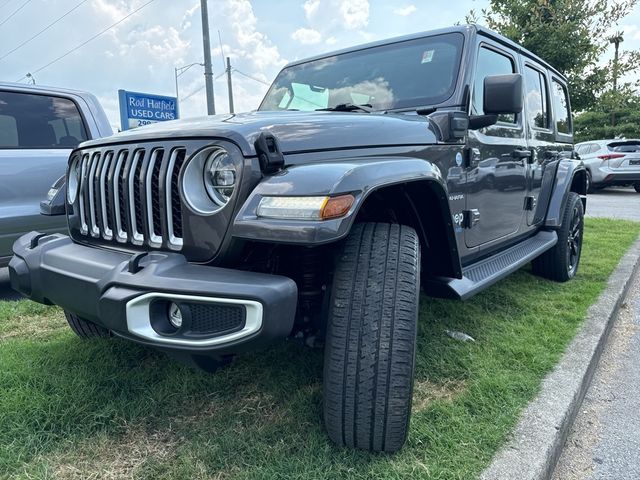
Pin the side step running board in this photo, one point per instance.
(480, 275)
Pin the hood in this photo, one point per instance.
(295, 131)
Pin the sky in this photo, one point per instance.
(260, 37)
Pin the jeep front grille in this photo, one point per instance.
(131, 196)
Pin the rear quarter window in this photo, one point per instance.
(39, 121)
(561, 114)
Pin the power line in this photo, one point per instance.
(252, 78)
(43, 30)
(14, 12)
(89, 40)
(199, 89)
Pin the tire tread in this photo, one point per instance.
(370, 348)
(85, 329)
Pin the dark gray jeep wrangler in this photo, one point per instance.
(441, 160)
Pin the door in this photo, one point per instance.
(540, 136)
(37, 133)
(496, 175)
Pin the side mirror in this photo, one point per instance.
(54, 204)
(503, 94)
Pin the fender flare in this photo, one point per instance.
(359, 177)
(570, 176)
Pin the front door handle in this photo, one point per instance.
(525, 155)
(521, 153)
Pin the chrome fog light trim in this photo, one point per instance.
(139, 319)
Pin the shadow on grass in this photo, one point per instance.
(261, 417)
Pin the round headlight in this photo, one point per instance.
(220, 177)
(73, 180)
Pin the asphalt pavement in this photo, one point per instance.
(622, 203)
(605, 439)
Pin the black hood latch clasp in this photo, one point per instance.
(269, 154)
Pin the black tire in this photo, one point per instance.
(590, 188)
(371, 338)
(84, 328)
(561, 262)
(637, 187)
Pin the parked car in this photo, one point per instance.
(611, 163)
(323, 214)
(39, 126)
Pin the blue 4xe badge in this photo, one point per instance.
(458, 159)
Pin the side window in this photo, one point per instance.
(536, 98)
(561, 108)
(490, 63)
(8, 132)
(594, 148)
(582, 149)
(39, 121)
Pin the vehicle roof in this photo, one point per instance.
(41, 89)
(466, 30)
(611, 140)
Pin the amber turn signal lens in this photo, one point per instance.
(337, 206)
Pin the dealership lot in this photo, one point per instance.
(620, 203)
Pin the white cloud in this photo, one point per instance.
(355, 13)
(311, 8)
(186, 20)
(405, 11)
(307, 36)
(254, 45)
(331, 41)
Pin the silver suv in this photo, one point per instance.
(39, 126)
(611, 162)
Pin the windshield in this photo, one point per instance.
(413, 73)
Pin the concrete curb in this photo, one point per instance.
(535, 446)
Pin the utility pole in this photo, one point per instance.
(616, 40)
(229, 85)
(208, 73)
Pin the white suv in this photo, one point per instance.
(611, 162)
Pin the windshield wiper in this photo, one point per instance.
(348, 107)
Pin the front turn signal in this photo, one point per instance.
(336, 207)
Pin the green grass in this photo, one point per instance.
(112, 409)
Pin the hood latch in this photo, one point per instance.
(269, 154)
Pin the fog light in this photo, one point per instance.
(175, 315)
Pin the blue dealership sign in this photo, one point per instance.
(138, 109)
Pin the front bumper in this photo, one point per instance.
(127, 294)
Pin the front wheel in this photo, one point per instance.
(84, 328)
(561, 262)
(371, 338)
(637, 187)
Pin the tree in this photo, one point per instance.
(571, 35)
(623, 105)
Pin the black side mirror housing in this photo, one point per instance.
(54, 204)
(476, 122)
(503, 94)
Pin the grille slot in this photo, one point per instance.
(121, 196)
(208, 319)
